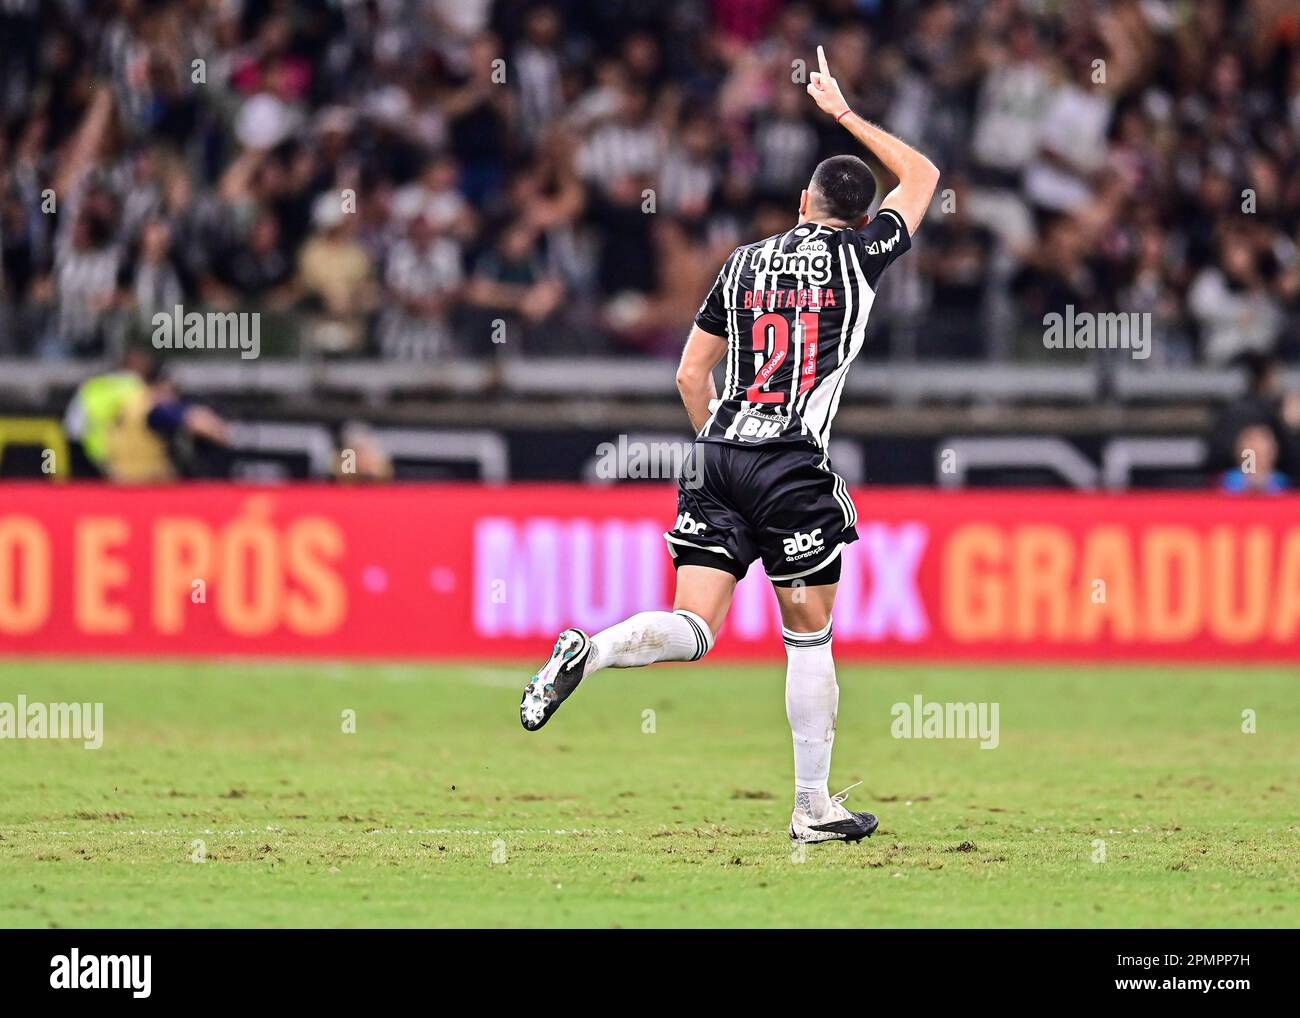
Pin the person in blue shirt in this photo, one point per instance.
(1257, 473)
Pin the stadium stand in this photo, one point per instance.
(507, 213)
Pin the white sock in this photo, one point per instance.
(812, 698)
(648, 637)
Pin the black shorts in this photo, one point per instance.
(779, 502)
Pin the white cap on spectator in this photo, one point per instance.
(327, 210)
(264, 121)
(389, 105)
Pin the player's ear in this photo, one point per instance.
(803, 202)
(863, 221)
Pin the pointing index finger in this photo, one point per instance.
(821, 62)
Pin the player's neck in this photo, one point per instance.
(826, 221)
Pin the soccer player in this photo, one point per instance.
(788, 314)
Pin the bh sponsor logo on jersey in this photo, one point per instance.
(752, 426)
(800, 545)
(686, 524)
(877, 247)
(77, 971)
(811, 260)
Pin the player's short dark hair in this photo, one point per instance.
(844, 187)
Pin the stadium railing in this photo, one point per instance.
(35, 381)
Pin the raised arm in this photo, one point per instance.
(917, 176)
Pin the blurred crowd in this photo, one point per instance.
(420, 179)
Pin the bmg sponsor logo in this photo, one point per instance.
(810, 260)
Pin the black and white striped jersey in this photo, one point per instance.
(793, 309)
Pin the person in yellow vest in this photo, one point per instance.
(127, 420)
(140, 449)
(95, 408)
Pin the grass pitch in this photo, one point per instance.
(440, 811)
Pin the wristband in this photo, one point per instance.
(842, 116)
